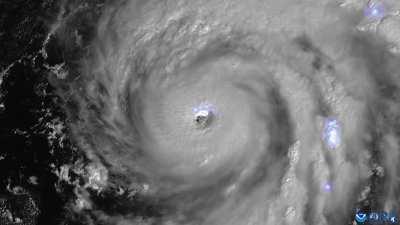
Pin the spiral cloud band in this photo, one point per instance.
(238, 112)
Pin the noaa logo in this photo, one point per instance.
(361, 217)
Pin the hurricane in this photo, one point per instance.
(232, 112)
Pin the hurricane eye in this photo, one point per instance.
(203, 115)
(202, 118)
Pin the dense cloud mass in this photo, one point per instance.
(228, 112)
(272, 79)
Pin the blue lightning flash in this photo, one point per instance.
(204, 106)
(375, 10)
(327, 187)
(331, 133)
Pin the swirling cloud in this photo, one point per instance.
(220, 109)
